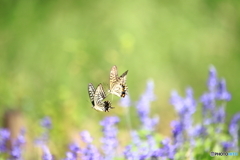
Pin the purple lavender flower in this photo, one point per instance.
(208, 98)
(143, 152)
(125, 102)
(208, 101)
(135, 138)
(212, 79)
(208, 108)
(86, 137)
(177, 132)
(217, 91)
(219, 115)
(234, 128)
(90, 152)
(185, 108)
(140, 148)
(74, 148)
(143, 108)
(128, 152)
(199, 131)
(177, 102)
(109, 140)
(43, 139)
(148, 96)
(183, 105)
(149, 93)
(222, 93)
(16, 151)
(212, 114)
(73, 153)
(46, 122)
(150, 123)
(70, 156)
(4, 137)
(166, 151)
(133, 152)
(152, 145)
(136, 149)
(190, 101)
(46, 153)
(227, 146)
(109, 121)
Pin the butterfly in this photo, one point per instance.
(117, 84)
(97, 96)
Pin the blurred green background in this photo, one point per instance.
(51, 50)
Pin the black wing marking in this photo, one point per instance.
(91, 93)
(123, 77)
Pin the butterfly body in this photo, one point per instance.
(97, 96)
(118, 85)
(124, 90)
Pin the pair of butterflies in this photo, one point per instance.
(117, 87)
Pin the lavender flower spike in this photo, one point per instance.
(199, 130)
(90, 152)
(143, 108)
(234, 127)
(16, 152)
(109, 140)
(177, 132)
(125, 102)
(149, 93)
(46, 122)
(177, 101)
(140, 149)
(189, 101)
(73, 153)
(46, 153)
(4, 136)
(86, 137)
(227, 146)
(70, 156)
(219, 115)
(222, 93)
(212, 79)
(167, 150)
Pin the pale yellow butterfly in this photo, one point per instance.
(97, 96)
(117, 84)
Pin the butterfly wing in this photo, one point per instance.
(113, 76)
(123, 78)
(99, 96)
(91, 92)
(117, 89)
(102, 93)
